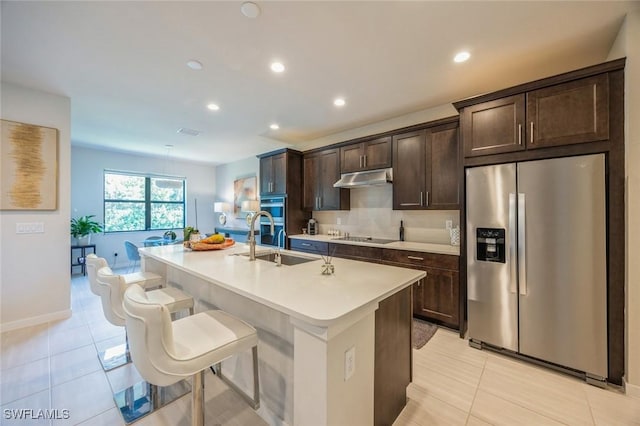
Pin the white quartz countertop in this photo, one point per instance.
(300, 291)
(396, 245)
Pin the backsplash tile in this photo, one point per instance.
(372, 214)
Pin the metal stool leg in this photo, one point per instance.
(197, 399)
(255, 401)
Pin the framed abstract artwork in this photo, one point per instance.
(244, 189)
(28, 167)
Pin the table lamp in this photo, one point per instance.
(222, 208)
(250, 207)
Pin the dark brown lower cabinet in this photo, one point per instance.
(436, 296)
(393, 357)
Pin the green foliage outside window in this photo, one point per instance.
(141, 203)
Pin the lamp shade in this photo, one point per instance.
(250, 206)
(222, 207)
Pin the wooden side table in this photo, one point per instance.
(81, 260)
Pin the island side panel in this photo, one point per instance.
(393, 358)
(324, 395)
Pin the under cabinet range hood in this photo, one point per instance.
(367, 178)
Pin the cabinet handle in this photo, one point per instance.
(319, 202)
(305, 245)
(421, 202)
(409, 204)
(519, 134)
(531, 136)
(415, 258)
(361, 161)
(365, 160)
(427, 199)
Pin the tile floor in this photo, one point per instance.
(54, 366)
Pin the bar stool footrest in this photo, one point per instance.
(143, 398)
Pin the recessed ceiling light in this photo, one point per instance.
(339, 102)
(461, 56)
(277, 67)
(250, 9)
(213, 107)
(194, 65)
(274, 126)
(188, 131)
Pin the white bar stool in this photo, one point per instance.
(117, 356)
(148, 280)
(166, 352)
(142, 398)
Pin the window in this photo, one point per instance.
(135, 202)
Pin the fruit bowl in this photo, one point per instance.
(200, 246)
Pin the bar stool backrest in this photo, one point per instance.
(151, 338)
(111, 288)
(94, 263)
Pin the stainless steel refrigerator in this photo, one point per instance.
(536, 260)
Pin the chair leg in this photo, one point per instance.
(255, 401)
(197, 399)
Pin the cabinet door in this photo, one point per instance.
(443, 174)
(266, 172)
(377, 154)
(330, 198)
(310, 167)
(409, 192)
(351, 158)
(494, 127)
(438, 294)
(569, 113)
(279, 174)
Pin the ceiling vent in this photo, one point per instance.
(187, 131)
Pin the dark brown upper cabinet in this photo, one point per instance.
(273, 174)
(562, 114)
(426, 169)
(321, 171)
(494, 127)
(569, 113)
(369, 155)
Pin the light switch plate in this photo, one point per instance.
(448, 224)
(30, 228)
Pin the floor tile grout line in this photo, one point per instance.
(547, 416)
(475, 394)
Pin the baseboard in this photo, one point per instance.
(40, 319)
(632, 390)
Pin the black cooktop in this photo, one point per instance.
(366, 240)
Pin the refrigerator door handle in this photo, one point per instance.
(522, 245)
(512, 243)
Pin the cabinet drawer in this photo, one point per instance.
(418, 258)
(315, 247)
(368, 254)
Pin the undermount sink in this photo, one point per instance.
(286, 259)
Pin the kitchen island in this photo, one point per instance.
(322, 337)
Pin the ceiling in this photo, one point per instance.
(123, 64)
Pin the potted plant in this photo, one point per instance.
(83, 227)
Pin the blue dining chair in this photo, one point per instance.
(132, 254)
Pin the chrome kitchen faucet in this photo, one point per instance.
(252, 236)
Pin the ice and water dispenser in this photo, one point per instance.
(490, 244)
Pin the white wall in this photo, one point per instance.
(628, 44)
(87, 173)
(34, 268)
